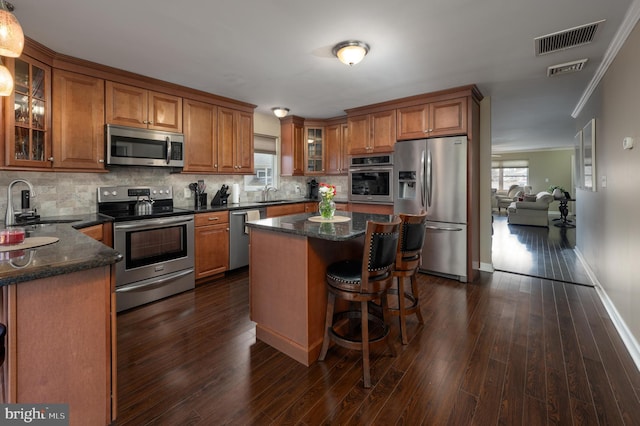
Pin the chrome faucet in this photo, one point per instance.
(265, 192)
(9, 217)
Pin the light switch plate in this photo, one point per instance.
(603, 181)
(187, 193)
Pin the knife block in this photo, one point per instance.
(220, 199)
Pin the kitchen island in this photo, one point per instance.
(58, 303)
(288, 257)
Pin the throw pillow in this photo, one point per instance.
(530, 198)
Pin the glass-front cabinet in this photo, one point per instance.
(29, 143)
(314, 150)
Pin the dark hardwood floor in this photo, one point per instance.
(537, 251)
(508, 349)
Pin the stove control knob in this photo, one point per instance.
(154, 191)
(114, 193)
(106, 193)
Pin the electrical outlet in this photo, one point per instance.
(187, 193)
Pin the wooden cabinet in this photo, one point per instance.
(442, 118)
(371, 208)
(286, 209)
(102, 233)
(337, 149)
(211, 244)
(61, 343)
(27, 114)
(314, 150)
(312, 207)
(370, 133)
(135, 107)
(200, 134)
(292, 146)
(78, 121)
(235, 141)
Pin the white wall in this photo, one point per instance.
(608, 235)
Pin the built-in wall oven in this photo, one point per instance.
(371, 179)
(157, 248)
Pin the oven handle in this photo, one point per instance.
(151, 283)
(150, 223)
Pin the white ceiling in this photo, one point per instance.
(278, 52)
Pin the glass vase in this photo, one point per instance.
(327, 209)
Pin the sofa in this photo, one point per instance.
(533, 210)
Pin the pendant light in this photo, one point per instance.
(6, 81)
(11, 35)
(350, 52)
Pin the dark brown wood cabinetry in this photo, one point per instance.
(336, 142)
(235, 141)
(211, 244)
(371, 133)
(27, 114)
(292, 146)
(78, 121)
(442, 118)
(135, 107)
(200, 134)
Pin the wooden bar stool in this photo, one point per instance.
(408, 259)
(362, 280)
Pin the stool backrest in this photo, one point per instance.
(412, 233)
(379, 256)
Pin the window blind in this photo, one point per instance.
(264, 144)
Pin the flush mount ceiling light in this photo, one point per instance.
(350, 52)
(11, 35)
(280, 111)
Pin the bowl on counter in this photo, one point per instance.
(12, 236)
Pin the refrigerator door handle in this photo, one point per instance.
(421, 180)
(429, 178)
(441, 228)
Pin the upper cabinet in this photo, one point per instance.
(336, 137)
(235, 141)
(442, 118)
(200, 135)
(371, 133)
(314, 150)
(292, 146)
(135, 107)
(28, 115)
(78, 121)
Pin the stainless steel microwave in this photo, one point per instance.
(130, 146)
(371, 179)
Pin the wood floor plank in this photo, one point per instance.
(194, 359)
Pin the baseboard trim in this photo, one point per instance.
(486, 267)
(621, 326)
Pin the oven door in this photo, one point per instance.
(371, 185)
(153, 247)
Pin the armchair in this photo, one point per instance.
(504, 198)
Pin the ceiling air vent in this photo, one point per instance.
(566, 39)
(566, 68)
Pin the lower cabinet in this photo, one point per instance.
(211, 244)
(286, 209)
(371, 208)
(102, 233)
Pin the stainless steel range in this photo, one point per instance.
(156, 243)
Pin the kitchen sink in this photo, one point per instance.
(275, 201)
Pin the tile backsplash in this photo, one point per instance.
(59, 194)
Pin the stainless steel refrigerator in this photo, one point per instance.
(431, 174)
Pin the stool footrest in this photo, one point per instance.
(340, 322)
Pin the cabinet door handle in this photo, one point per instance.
(214, 218)
(101, 161)
(50, 159)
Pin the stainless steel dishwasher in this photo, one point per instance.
(239, 238)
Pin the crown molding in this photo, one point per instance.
(629, 22)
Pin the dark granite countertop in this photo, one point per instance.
(299, 224)
(73, 252)
(250, 205)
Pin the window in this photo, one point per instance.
(265, 163)
(509, 172)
